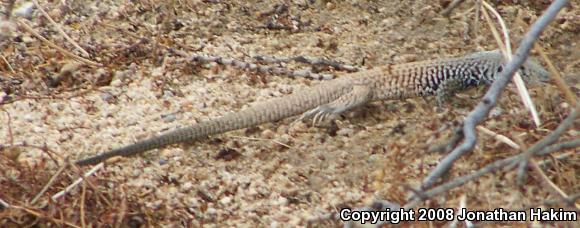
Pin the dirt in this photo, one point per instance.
(278, 174)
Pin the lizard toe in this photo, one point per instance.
(318, 114)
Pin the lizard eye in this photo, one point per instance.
(523, 70)
(500, 69)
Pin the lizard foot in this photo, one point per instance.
(319, 114)
(359, 95)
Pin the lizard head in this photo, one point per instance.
(532, 72)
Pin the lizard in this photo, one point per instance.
(440, 77)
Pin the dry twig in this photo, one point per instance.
(490, 98)
(554, 159)
(546, 141)
(50, 97)
(450, 7)
(307, 60)
(448, 144)
(261, 69)
(560, 146)
(507, 162)
(540, 173)
(40, 215)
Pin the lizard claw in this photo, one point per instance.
(318, 114)
(318, 117)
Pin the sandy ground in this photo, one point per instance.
(282, 173)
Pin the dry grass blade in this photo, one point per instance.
(555, 74)
(555, 189)
(7, 64)
(25, 25)
(40, 215)
(4, 204)
(82, 206)
(122, 209)
(505, 47)
(260, 139)
(463, 205)
(77, 182)
(8, 126)
(554, 159)
(499, 137)
(59, 29)
(50, 182)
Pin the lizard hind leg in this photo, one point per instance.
(359, 95)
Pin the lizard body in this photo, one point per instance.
(442, 78)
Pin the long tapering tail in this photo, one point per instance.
(273, 110)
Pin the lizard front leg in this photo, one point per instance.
(446, 90)
(359, 95)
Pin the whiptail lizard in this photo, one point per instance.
(442, 78)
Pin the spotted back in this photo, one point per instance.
(426, 78)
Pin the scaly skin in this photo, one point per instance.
(442, 78)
